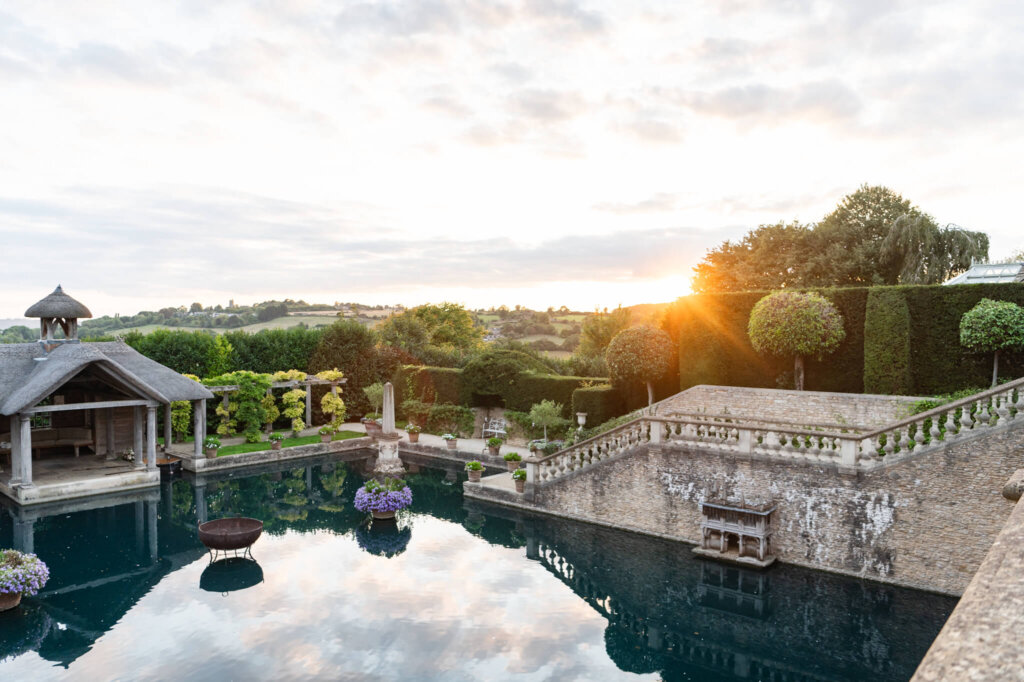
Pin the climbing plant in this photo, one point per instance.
(181, 414)
(246, 410)
(332, 405)
(294, 402)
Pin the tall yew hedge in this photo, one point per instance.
(711, 332)
(887, 342)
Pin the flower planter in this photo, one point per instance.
(474, 476)
(210, 452)
(275, 445)
(325, 437)
(520, 486)
(495, 451)
(373, 429)
(513, 464)
(383, 515)
(414, 438)
(452, 444)
(9, 600)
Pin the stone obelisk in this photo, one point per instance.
(388, 463)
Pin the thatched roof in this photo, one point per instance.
(58, 304)
(24, 381)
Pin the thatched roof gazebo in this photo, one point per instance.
(63, 395)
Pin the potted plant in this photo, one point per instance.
(536, 444)
(211, 445)
(327, 433)
(383, 499)
(519, 478)
(413, 431)
(275, 440)
(475, 469)
(451, 440)
(494, 445)
(512, 460)
(373, 425)
(21, 575)
(128, 455)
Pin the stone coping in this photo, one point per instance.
(135, 479)
(982, 638)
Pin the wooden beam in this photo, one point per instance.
(39, 409)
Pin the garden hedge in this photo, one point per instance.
(711, 331)
(887, 343)
(601, 403)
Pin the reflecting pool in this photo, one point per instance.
(450, 591)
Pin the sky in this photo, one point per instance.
(526, 152)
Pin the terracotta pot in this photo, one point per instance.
(494, 450)
(275, 445)
(9, 600)
(383, 515)
(414, 437)
(211, 452)
(474, 476)
(513, 464)
(452, 444)
(326, 437)
(520, 485)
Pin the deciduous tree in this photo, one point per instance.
(640, 354)
(992, 327)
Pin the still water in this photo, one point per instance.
(449, 592)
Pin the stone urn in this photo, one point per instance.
(373, 429)
(275, 445)
(520, 485)
(414, 437)
(9, 600)
(210, 452)
(474, 475)
(452, 444)
(512, 464)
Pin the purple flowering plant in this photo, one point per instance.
(391, 495)
(22, 573)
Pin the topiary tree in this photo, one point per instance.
(798, 324)
(375, 394)
(992, 327)
(639, 354)
(546, 413)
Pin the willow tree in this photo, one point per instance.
(639, 354)
(992, 327)
(795, 324)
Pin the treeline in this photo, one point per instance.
(217, 317)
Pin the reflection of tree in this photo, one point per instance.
(23, 630)
(628, 651)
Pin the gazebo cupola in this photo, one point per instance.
(58, 310)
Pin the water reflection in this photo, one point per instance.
(423, 596)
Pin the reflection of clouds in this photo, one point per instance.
(451, 607)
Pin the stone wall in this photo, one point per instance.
(925, 522)
(802, 407)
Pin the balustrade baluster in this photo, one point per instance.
(966, 423)
(1003, 407)
(936, 430)
(904, 440)
(890, 442)
(952, 426)
(985, 417)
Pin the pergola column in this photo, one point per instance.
(309, 404)
(25, 449)
(24, 535)
(197, 428)
(151, 529)
(200, 492)
(151, 437)
(139, 442)
(111, 443)
(168, 433)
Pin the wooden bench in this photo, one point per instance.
(44, 439)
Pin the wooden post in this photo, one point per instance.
(202, 414)
(197, 428)
(168, 433)
(111, 443)
(139, 441)
(26, 450)
(15, 451)
(309, 405)
(151, 438)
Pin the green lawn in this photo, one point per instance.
(286, 443)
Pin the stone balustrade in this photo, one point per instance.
(850, 448)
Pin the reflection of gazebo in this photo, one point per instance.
(63, 397)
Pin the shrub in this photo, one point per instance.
(512, 457)
(546, 413)
(451, 419)
(887, 343)
(601, 403)
(494, 442)
(519, 475)
(474, 465)
(796, 324)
